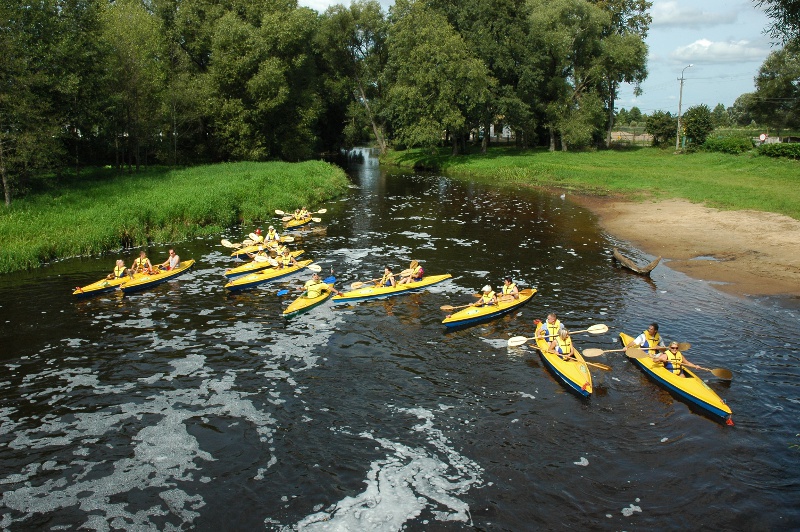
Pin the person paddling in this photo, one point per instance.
(315, 286)
(415, 275)
(488, 297)
(120, 271)
(550, 329)
(674, 360)
(649, 340)
(509, 289)
(562, 345)
(387, 279)
(172, 262)
(142, 264)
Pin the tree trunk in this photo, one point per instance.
(611, 100)
(375, 128)
(486, 131)
(454, 142)
(563, 143)
(6, 184)
(552, 139)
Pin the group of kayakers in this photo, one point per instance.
(560, 342)
(142, 264)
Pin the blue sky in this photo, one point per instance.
(722, 39)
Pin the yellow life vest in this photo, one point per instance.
(272, 235)
(487, 298)
(385, 279)
(286, 260)
(416, 273)
(564, 347)
(651, 341)
(119, 271)
(314, 288)
(552, 329)
(508, 289)
(674, 362)
(141, 261)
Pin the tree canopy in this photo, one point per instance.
(130, 83)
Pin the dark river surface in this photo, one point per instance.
(186, 407)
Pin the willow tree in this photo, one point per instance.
(353, 42)
(435, 85)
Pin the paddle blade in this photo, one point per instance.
(635, 352)
(516, 341)
(226, 243)
(722, 373)
(253, 237)
(600, 328)
(357, 284)
(279, 212)
(314, 267)
(272, 261)
(329, 280)
(261, 258)
(592, 352)
(322, 211)
(684, 346)
(287, 239)
(287, 218)
(447, 308)
(318, 220)
(404, 273)
(282, 292)
(247, 242)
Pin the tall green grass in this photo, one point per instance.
(718, 180)
(93, 216)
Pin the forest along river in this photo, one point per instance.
(185, 406)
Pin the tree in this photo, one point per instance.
(137, 76)
(434, 83)
(623, 117)
(353, 41)
(785, 15)
(742, 110)
(30, 123)
(776, 101)
(635, 114)
(661, 126)
(625, 52)
(697, 123)
(720, 116)
(496, 32)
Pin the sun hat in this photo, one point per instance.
(487, 288)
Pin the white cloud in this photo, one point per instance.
(709, 52)
(672, 14)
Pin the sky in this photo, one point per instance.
(723, 40)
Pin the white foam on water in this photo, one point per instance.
(629, 511)
(582, 462)
(405, 483)
(163, 455)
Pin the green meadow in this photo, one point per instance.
(731, 182)
(103, 211)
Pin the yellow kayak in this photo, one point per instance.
(254, 266)
(471, 315)
(691, 388)
(145, 280)
(304, 303)
(573, 372)
(102, 286)
(263, 276)
(374, 292)
(243, 252)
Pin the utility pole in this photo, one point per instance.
(680, 101)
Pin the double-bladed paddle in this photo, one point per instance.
(359, 284)
(600, 328)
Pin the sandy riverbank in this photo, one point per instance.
(745, 253)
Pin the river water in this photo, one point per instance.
(186, 407)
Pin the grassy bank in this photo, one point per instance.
(92, 215)
(722, 181)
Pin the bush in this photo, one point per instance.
(792, 151)
(732, 145)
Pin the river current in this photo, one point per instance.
(189, 407)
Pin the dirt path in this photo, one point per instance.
(754, 253)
